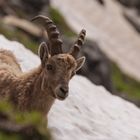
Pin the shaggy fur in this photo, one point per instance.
(25, 90)
(37, 89)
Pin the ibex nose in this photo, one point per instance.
(64, 89)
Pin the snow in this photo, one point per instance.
(90, 112)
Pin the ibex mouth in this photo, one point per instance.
(60, 98)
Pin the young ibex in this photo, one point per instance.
(38, 89)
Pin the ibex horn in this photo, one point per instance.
(55, 43)
(77, 46)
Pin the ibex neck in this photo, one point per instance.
(38, 99)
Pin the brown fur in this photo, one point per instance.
(37, 89)
(25, 90)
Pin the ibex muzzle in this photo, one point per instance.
(61, 91)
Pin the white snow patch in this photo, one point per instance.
(90, 112)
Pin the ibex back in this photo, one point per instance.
(38, 88)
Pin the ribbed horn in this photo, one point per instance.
(77, 46)
(55, 43)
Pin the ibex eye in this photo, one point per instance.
(49, 67)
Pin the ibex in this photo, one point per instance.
(38, 88)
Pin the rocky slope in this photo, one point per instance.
(89, 113)
(106, 24)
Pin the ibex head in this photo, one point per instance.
(58, 67)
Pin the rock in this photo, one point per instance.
(133, 18)
(26, 8)
(108, 27)
(34, 5)
(131, 4)
(132, 12)
(90, 112)
(102, 2)
(24, 25)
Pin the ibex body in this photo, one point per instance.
(38, 89)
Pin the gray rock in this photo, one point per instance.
(28, 8)
(131, 4)
(133, 18)
(101, 2)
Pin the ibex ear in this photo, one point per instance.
(80, 62)
(43, 53)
